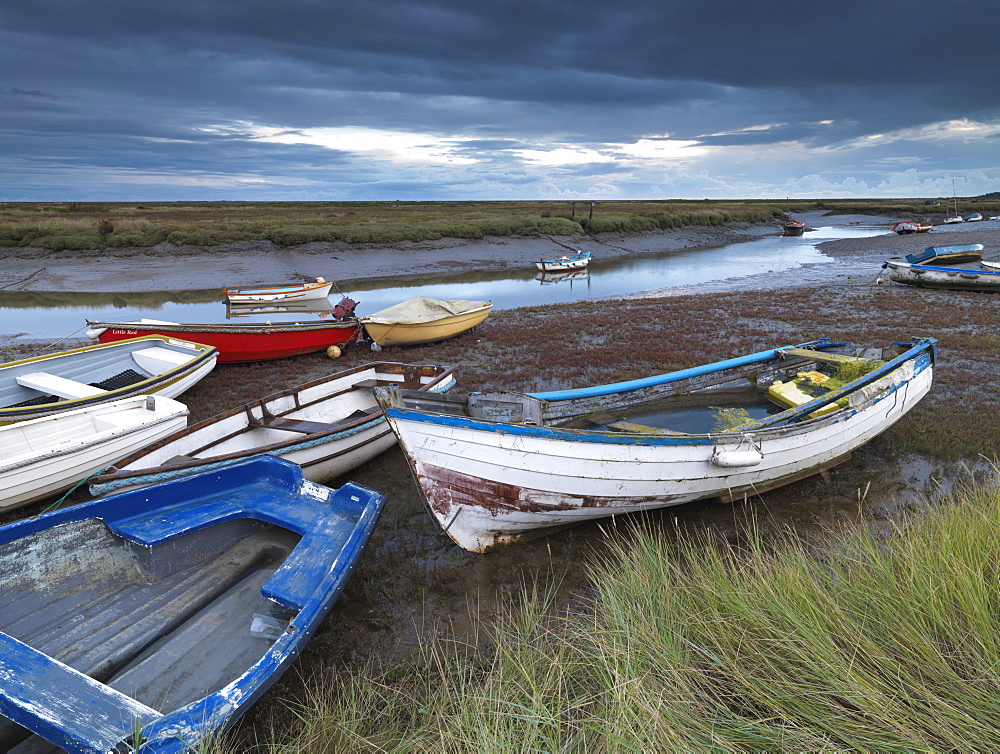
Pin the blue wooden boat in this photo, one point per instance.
(150, 620)
(934, 254)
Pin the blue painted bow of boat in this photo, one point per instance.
(334, 527)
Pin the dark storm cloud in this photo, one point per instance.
(141, 84)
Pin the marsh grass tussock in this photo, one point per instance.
(885, 642)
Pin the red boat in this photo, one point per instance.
(242, 342)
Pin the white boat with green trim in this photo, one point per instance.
(495, 468)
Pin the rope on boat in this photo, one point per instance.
(70, 491)
(47, 347)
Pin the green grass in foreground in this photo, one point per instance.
(886, 642)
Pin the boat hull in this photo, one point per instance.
(190, 363)
(289, 293)
(953, 278)
(237, 343)
(43, 457)
(490, 484)
(346, 430)
(564, 264)
(793, 229)
(187, 600)
(413, 333)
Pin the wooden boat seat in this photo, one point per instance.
(157, 359)
(385, 383)
(96, 714)
(806, 353)
(179, 459)
(60, 386)
(292, 425)
(624, 426)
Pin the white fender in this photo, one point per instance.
(95, 333)
(736, 458)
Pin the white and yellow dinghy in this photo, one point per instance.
(43, 385)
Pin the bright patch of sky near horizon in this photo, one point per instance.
(443, 100)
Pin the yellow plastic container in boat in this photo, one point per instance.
(790, 395)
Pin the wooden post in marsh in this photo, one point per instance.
(591, 210)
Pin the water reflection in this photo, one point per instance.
(546, 278)
(315, 308)
(54, 315)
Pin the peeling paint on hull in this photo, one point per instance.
(490, 483)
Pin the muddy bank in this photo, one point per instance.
(178, 268)
(413, 584)
(857, 261)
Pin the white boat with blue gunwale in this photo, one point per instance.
(565, 263)
(953, 278)
(495, 468)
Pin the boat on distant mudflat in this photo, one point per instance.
(279, 292)
(793, 228)
(953, 219)
(975, 217)
(495, 468)
(46, 385)
(424, 320)
(42, 457)
(954, 278)
(240, 342)
(148, 621)
(565, 263)
(906, 227)
(953, 254)
(328, 427)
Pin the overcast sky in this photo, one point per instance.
(463, 99)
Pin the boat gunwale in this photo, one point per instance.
(181, 728)
(230, 329)
(794, 420)
(118, 476)
(368, 320)
(933, 268)
(203, 353)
